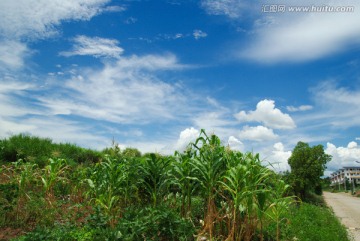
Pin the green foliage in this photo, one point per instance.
(159, 223)
(307, 166)
(69, 233)
(77, 194)
(155, 172)
(309, 222)
(131, 152)
(39, 150)
(183, 177)
(25, 147)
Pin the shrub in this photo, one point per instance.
(39, 150)
(159, 223)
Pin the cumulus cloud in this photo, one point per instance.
(299, 108)
(257, 133)
(216, 120)
(94, 46)
(235, 144)
(199, 34)
(267, 114)
(304, 36)
(279, 158)
(186, 136)
(342, 156)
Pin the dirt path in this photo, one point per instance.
(347, 209)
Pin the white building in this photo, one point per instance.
(352, 174)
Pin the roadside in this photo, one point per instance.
(347, 209)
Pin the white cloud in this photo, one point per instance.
(131, 20)
(267, 114)
(12, 54)
(230, 8)
(299, 108)
(257, 133)
(125, 91)
(217, 120)
(199, 34)
(338, 107)
(342, 156)
(113, 9)
(9, 127)
(279, 158)
(95, 46)
(186, 136)
(58, 129)
(25, 20)
(39, 18)
(304, 36)
(235, 144)
(10, 104)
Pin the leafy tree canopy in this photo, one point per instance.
(307, 166)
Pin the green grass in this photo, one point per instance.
(310, 222)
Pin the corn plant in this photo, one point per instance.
(183, 177)
(280, 204)
(52, 173)
(209, 166)
(244, 183)
(21, 179)
(155, 172)
(106, 186)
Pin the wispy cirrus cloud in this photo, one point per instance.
(229, 8)
(303, 35)
(299, 108)
(128, 92)
(94, 46)
(124, 91)
(293, 35)
(12, 54)
(28, 20)
(199, 34)
(336, 106)
(19, 20)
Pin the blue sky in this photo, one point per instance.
(151, 74)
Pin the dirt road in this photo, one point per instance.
(347, 209)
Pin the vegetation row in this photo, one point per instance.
(208, 192)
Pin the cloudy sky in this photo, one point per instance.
(262, 75)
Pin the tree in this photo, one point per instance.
(307, 166)
(131, 152)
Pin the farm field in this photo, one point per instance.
(64, 192)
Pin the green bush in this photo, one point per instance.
(25, 147)
(39, 150)
(160, 223)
